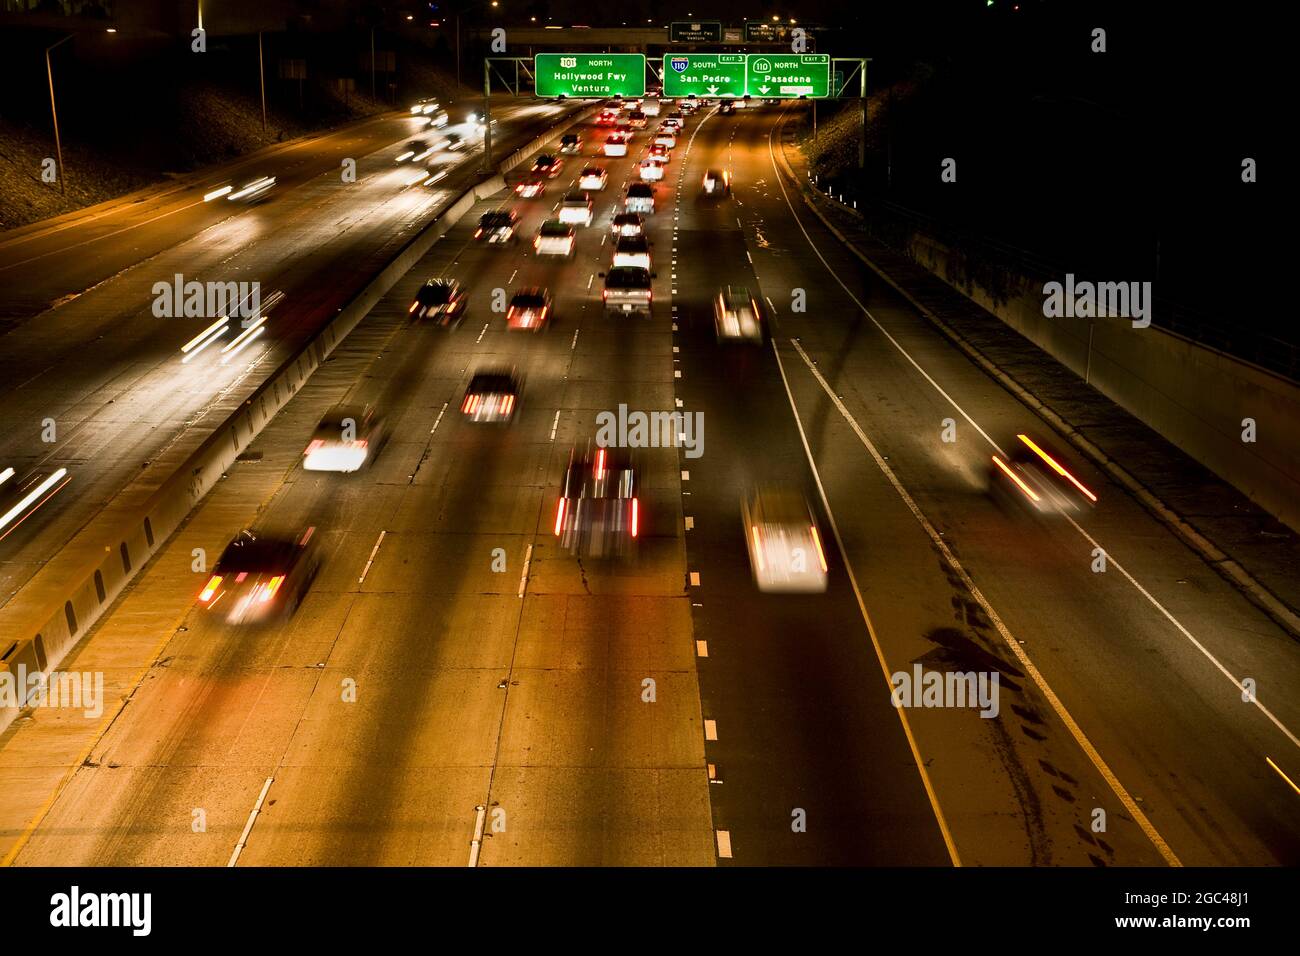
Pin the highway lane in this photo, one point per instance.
(99, 386)
(1145, 656)
(58, 259)
(468, 694)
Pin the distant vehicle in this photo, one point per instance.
(688, 106)
(640, 198)
(615, 146)
(253, 191)
(623, 131)
(555, 238)
(675, 119)
(627, 224)
(21, 495)
(547, 165)
(415, 150)
(442, 300)
(632, 251)
(347, 438)
(492, 396)
(636, 119)
(576, 209)
(651, 171)
(665, 138)
(530, 188)
(726, 108)
(736, 316)
(627, 290)
(598, 513)
(716, 183)
(785, 546)
(497, 227)
(660, 154)
(650, 107)
(439, 118)
(607, 118)
(593, 177)
(425, 106)
(571, 143)
(1037, 475)
(450, 142)
(261, 577)
(529, 309)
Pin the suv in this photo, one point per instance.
(497, 227)
(640, 198)
(570, 143)
(627, 290)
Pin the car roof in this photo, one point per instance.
(577, 198)
(632, 243)
(529, 294)
(493, 381)
(256, 552)
(555, 227)
(640, 189)
(628, 276)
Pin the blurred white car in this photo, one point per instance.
(615, 146)
(347, 438)
(785, 547)
(555, 238)
(632, 251)
(666, 138)
(593, 177)
(736, 316)
(651, 170)
(576, 209)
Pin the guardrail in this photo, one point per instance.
(63, 622)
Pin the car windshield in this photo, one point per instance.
(495, 220)
(528, 300)
(256, 555)
(640, 190)
(632, 244)
(492, 383)
(553, 228)
(435, 293)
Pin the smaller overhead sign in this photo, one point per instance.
(695, 31)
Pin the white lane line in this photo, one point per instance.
(1110, 558)
(590, 279)
(701, 648)
(248, 827)
(695, 579)
(1282, 775)
(1066, 718)
(724, 844)
(555, 424)
(438, 419)
(477, 842)
(690, 523)
(710, 730)
(523, 578)
(871, 628)
(371, 560)
(483, 333)
(574, 344)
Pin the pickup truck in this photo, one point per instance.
(627, 290)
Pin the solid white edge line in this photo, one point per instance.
(871, 629)
(248, 827)
(1066, 718)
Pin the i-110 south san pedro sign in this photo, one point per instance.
(704, 74)
(779, 76)
(589, 74)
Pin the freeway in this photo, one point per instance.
(101, 385)
(424, 694)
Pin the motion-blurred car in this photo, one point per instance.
(492, 396)
(571, 144)
(529, 310)
(736, 316)
(497, 227)
(451, 142)
(615, 146)
(442, 300)
(636, 119)
(576, 209)
(555, 238)
(530, 188)
(632, 251)
(726, 108)
(650, 107)
(593, 177)
(347, 438)
(23, 495)
(666, 138)
(438, 119)
(651, 171)
(598, 513)
(547, 165)
(607, 118)
(261, 577)
(1035, 474)
(415, 148)
(252, 191)
(675, 119)
(659, 154)
(716, 183)
(640, 198)
(785, 546)
(424, 106)
(627, 224)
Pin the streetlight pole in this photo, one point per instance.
(261, 77)
(54, 112)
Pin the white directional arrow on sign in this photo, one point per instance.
(712, 89)
(763, 89)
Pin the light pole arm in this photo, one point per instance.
(54, 112)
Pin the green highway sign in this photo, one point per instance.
(788, 75)
(589, 74)
(837, 82)
(707, 31)
(704, 74)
